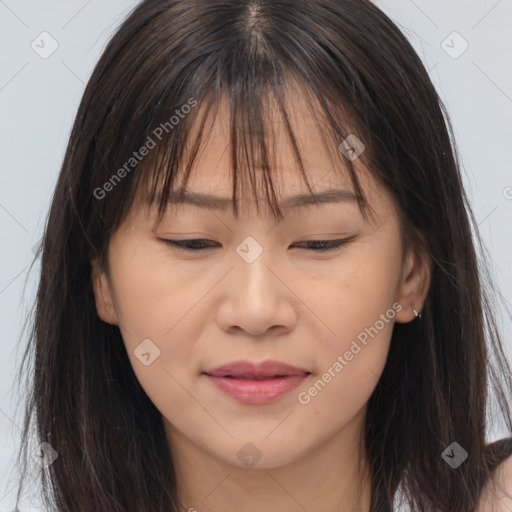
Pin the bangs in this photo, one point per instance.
(252, 119)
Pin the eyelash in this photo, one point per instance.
(325, 245)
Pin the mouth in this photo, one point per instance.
(254, 384)
(252, 377)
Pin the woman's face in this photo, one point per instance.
(259, 292)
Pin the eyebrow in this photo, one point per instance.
(211, 202)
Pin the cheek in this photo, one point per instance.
(349, 367)
(352, 293)
(165, 301)
(152, 297)
(356, 305)
(158, 324)
(157, 309)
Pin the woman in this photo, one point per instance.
(321, 342)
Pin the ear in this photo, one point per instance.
(102, 294)
(414, 284)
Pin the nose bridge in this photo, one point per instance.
(253, 266)
(256, 300)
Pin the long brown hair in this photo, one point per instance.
(348, 58)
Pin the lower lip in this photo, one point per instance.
(257, 391)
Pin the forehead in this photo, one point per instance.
(326, 168)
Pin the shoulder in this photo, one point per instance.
(496, 495)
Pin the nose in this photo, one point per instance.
(257, 299)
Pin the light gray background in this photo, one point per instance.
(39, 97)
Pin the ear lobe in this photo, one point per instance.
(102, 294)
(415, 284)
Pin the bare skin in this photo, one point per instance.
(496, 495)
(292, 303)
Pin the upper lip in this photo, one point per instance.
(249, 369)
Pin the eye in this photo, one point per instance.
(324, 245)
(198, 244)
(192, 244)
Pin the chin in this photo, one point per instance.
(260, 455)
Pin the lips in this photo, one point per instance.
(255, 371)
(252, 384)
